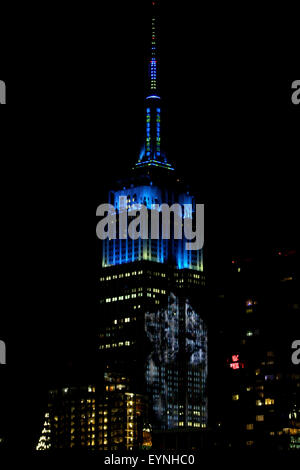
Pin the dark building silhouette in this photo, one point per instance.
(259, 404)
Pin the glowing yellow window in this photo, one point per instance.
(269, 401)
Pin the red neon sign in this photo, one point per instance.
(236, 364)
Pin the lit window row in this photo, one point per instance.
(116, 345)
(122, 297)
(267, 402)
(124, 320)
(121, 276)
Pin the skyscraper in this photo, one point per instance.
(151, 294)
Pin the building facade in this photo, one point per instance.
(151, 289)
(107, 418)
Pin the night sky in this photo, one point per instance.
(230, 129)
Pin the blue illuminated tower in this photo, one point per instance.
(152, 290)
(152, 167)
(152, 153)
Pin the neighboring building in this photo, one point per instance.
(152, 290)
(152, 331)
(96, 418)
(260, 405)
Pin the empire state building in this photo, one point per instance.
(151, 365)
(151, 293)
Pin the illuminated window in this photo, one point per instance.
(260, 418)
(235, 397)
(250, 427)
(269, 401)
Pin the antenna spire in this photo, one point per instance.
(152, 154)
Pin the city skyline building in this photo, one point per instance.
(259, 406)
(98, 418)
(150, 329)
(152, 290)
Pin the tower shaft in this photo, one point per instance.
(152, 153)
